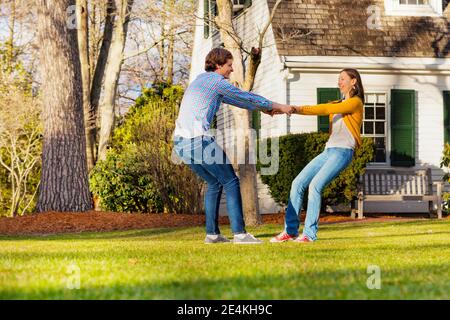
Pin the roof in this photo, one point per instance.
(339, 28)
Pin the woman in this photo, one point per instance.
(345, 125)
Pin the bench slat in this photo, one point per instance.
(397, 185)
(395, 182)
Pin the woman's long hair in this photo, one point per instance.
(358, 89)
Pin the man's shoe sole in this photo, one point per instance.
(248, 242)
(217, 242)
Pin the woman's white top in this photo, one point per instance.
(340, 137)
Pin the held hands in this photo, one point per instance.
(280, 109)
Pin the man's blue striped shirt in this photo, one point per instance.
(202, 100)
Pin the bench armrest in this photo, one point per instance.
(439, 187)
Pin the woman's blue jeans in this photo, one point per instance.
(207, 159)
(314, 177)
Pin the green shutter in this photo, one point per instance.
(213, 13)
(256, 121)
(447, 116)
(325, 95)
(403, 121)
(206, 19)
(214, 9)
(214, 122)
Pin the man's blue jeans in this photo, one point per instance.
(207, 159)
(314, 177)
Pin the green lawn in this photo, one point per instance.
(414, 259)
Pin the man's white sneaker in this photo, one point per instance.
(246, 238)
(217, 238)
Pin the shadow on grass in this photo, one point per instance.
(91, 235)
(373, 225)
(140, 233)
(388, 235)
(302, 250)
(405, 283)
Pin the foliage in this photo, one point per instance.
(123, 185)
(297, 150)
(143, 142)
(445, 163)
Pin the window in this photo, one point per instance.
(240, 5)
(209, 14)
(416, 2)
(447, 116)
(375, 124)
(413, 7)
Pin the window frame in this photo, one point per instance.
(394, 8)
(387, 128)
(208, 25)
(209, 30)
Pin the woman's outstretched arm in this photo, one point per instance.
(347, 106)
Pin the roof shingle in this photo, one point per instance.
(340, 28)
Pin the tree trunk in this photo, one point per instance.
(247, 172)
(64, 179)
(170, 53)
(83, 45)
(100, 66)
(160, 76)
(112, 73)
(10, 41)
(171, 44)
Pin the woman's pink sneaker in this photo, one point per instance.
(282, 237)
(303, 238)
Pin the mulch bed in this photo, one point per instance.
(96, 221)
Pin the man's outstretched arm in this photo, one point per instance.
(248, 100)
(242, 99)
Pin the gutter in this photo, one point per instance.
(374, 65)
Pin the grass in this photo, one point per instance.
(414, 259)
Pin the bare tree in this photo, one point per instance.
(20, 141)
(162, 36)
(234, 43)
(98, 62)
(112, 73)
(83, 46)
(10, 42)
(64, 180)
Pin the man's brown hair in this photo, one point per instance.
(217, 57)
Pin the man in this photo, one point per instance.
(197, 147)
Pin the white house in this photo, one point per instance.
(400, 47)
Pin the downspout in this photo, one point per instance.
(288, 77)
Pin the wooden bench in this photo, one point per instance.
(398, 185)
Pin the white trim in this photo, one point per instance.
(387, 129)
(394, 8)
(440, 66)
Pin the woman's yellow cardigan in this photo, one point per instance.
(351, 109)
